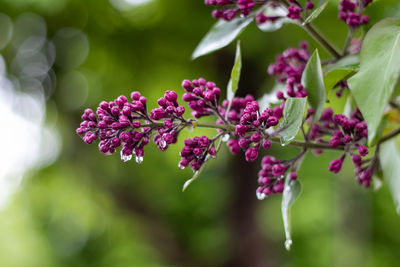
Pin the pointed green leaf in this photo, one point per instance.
(313, 82)
(316, 13)
(389, 159)
(221, 35)
(373, 85)
(293, 114)
(290, 194)
(233, 83)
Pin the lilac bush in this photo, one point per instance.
(249, 127)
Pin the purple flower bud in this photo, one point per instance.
(209, 95)
(234, 146)
(180, 110)
(135, 95)
(309, 5)
(251, 154)
(346, 139)
(104, 105)
(162, 102)
(272, 121)
(212, 151)
(293, 176)
(136, 124)
(363, 150)
(278, 188)
(335, 141)
(244, 143)
(187, 85)
(115, 111)
(167, 124)
(171, 96)
(139, 152)
(137, 106)
(335, 165)
(241, 129)
(143, 100)
(278, 169)
(266, 144)
(256, 137)
(357, 160)
(168, 138)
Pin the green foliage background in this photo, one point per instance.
(90, 210)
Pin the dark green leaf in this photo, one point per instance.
(389, 158)
(235, 74)
(290, 194)
(220, 35)
(280, 12)
(313, 82)
(316, 13)
(373, 85)
(293, 114)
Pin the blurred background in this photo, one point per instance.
(62, 203)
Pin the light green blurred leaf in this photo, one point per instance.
(389, 159)
(290, 194)
(373, 85)
(221, 35)
(235, 74)
(293, 114)
(313, 82)
(316, 13)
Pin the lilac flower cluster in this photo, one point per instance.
(169, 111)
(231, 8)
(117, 124)
(196, 151)
(202, 97)
(271, 176)
(255, 122)
(288, 68)
(348, 133)
(351, 12)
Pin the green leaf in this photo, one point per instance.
(313, 82)
(343, 69)
(373, 85)
(348, 62)
(335, 76)
(221, 35)
(290, 194)
(381, 130)
(315, 13)
(389, 159)
(293, 114)
(279, 12)
(233, 83)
